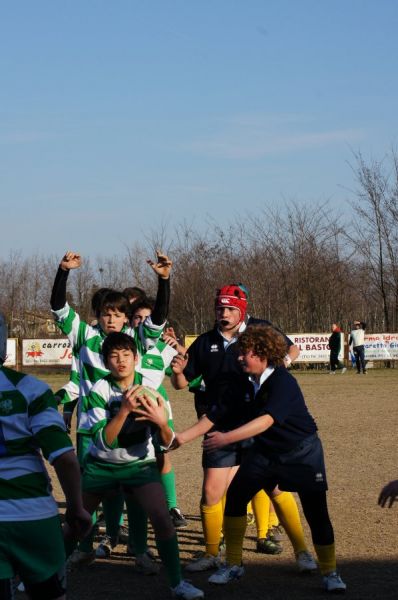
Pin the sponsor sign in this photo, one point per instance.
(11, 360)
(381, 346)
(46, 352)
(314, 347)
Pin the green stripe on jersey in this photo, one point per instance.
(41, 403)
(22, 434)
(15, 403)
(51, 439)
(34, 485)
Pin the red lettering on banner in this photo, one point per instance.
(66, 354)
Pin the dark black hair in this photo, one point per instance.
(97, 298)
(146, 302)
(117, 341)
(113, 301)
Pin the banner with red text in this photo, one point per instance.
(46, 352)
(314, 347)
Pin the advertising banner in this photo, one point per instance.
(11, 360)
(381, 346)
(46, 352)
(314, 347)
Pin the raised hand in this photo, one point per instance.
(162, 266)
(70, 260)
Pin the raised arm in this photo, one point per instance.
(69, 261)
(162, 267)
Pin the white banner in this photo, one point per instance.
(46, 352)
(314, 347)
(381, 346)
(11, 360)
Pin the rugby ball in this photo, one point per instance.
(149, 393)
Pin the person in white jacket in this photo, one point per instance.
(357, 342)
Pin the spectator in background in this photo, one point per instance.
(357, 341)
(335, 347)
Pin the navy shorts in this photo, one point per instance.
(228, 456)
(300, 470)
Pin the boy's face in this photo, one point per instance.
(139, 316)
(121, 363)
(228, 317)
(251, 363)
(112, 320)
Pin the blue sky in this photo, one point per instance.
(118, 117)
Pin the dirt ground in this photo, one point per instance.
(358, 424)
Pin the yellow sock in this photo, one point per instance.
(326, 558)
(223, 503)
(260, 504)
(212, 518)
(234, 531)
(273, 520)
(250, 508)
(286, 508)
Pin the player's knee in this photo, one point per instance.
(162, 525)
(212, 493)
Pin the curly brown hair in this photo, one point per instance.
(265, 342)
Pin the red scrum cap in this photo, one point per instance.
(234, 296)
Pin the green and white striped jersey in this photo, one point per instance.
(153, 364)
(136, 440)
(29, 422)
(149, 371)
(70, 391)
(86, 341)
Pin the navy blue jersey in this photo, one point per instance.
(281, 397)
(227, 389)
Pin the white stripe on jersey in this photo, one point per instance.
(119, 456)
(28, 509)
(17, 466)
(90, 418)
(31, 388)
(45, 418)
